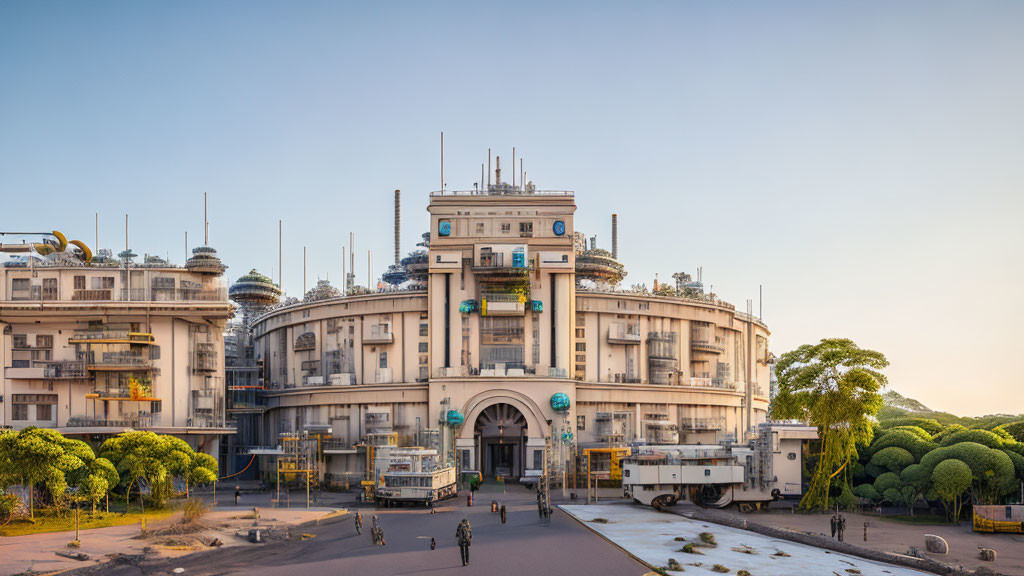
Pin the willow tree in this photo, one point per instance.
(834, 385)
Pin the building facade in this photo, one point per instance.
(504, 315)
(95, 348)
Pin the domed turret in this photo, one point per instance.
(322, 291)
(254, 293)
(598, 266)
(204, 260)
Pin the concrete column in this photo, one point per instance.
(436, 296)
(563, 322)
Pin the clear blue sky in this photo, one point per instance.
(861, 160)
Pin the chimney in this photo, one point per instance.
(615, 236)
(398, 224)
(497, 170)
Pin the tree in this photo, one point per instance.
(835, 386)
(139, 456)
(992, 471)
(893, 459)
(41, 456)
(950, 479)
(916, 481)
(1014, 429)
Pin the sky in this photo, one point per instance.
(862, 161)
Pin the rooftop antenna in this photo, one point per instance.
(186, 245)
(513, 166)
(615, 236)
(369, 270)
(488, 168)
(125, 232)
(344, 274)
(497, 170)
(522, 173)
(481, 174)
(352, 256)
(398, 224)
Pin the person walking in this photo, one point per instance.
(238, 494)
(433, 543)
(841, 527)
(835, 524)
(359, 524)
(502, 513)
(465, 537)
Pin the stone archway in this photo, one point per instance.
(501, 431)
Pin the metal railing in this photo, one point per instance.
(503, 191)
(701, 424)
(710, 383)
(64, 369)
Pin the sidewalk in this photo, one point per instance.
(36, 552)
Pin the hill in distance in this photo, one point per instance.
(895, 405)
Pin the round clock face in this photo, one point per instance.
(444, 228)
(559, 228)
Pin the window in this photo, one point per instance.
(581, 346)
(19, 284)
(423, 347)
(103, 283)
(49, 288)
(526, 229)
(19, 341)
(479, 228)
(581, 357)
(423, 329)
(506, 228)
(538, 459)
(79, 282)
(44, 341)
(156, 406)
(44, 412)
(383, 359)
(19, 412)
(581, 422)
(581, 319)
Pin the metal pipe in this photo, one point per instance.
(615, 236)
(398, 224)
(488, 168)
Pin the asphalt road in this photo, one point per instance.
(522, 546)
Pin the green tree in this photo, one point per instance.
(916, 480)
(893, 459)
(36, 456)
(950, 479)
(835, 386)
(139, 456)
(992, 471)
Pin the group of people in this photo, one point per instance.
(463, 534)
(838, 525)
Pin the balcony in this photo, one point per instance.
(623, 334)
(337, 446)
(701, 424)
(706, 346)
(378, 334)
(205, 358)
(134, 422)
(118, 362)
(121, 395)
(110, 337)
(503, 305)
(712, 383)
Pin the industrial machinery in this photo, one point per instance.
(750, 476)
(411, 475)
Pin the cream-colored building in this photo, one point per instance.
(93, 349)
(498, 325)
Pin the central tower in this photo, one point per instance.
(502, 309)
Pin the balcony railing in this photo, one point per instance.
(110, 336)
(336, 445)
(701, 424)
(705, 346)
(378, 334)
(128, 295)
(118, 361)
(712, 383)
(623, 334)
(136, 422)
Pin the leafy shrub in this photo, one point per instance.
(892, 459)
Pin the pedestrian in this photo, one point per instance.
(238, 494)
(835, 524)
(433, 543)
(502, 513)
(359, 524)
(842, 527)
(465, 537)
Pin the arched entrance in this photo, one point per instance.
(500, 432)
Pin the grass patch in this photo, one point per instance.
(48, 521)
